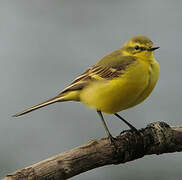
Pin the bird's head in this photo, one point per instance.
(139, 46)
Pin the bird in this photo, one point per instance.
(118, 81)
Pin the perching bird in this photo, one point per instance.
(120, 80)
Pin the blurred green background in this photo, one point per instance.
(45, 44)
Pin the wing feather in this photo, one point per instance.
(103, 73)
(103, 70)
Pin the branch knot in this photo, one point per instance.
(161, 134)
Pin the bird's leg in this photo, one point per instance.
(111, 138)
(126, 122)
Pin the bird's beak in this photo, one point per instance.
(153, 48)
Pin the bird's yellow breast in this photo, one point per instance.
(125, 91)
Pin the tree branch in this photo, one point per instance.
(156, 138)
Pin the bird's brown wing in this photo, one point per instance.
(94, 73)
(109, 67)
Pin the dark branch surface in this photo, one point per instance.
(156, 138)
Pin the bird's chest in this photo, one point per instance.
(152, 75)
(137, 84)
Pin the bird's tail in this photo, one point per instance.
(50, 101)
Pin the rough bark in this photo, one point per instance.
(156, 138)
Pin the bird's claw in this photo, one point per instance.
(111, 139)
(130, 131)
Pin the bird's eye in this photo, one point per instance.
(137, 47)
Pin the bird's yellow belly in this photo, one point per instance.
(124, 92)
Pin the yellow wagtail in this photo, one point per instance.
(120, 80)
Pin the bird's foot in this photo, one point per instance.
(131, 131)
(136, 131)
(112, 139)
